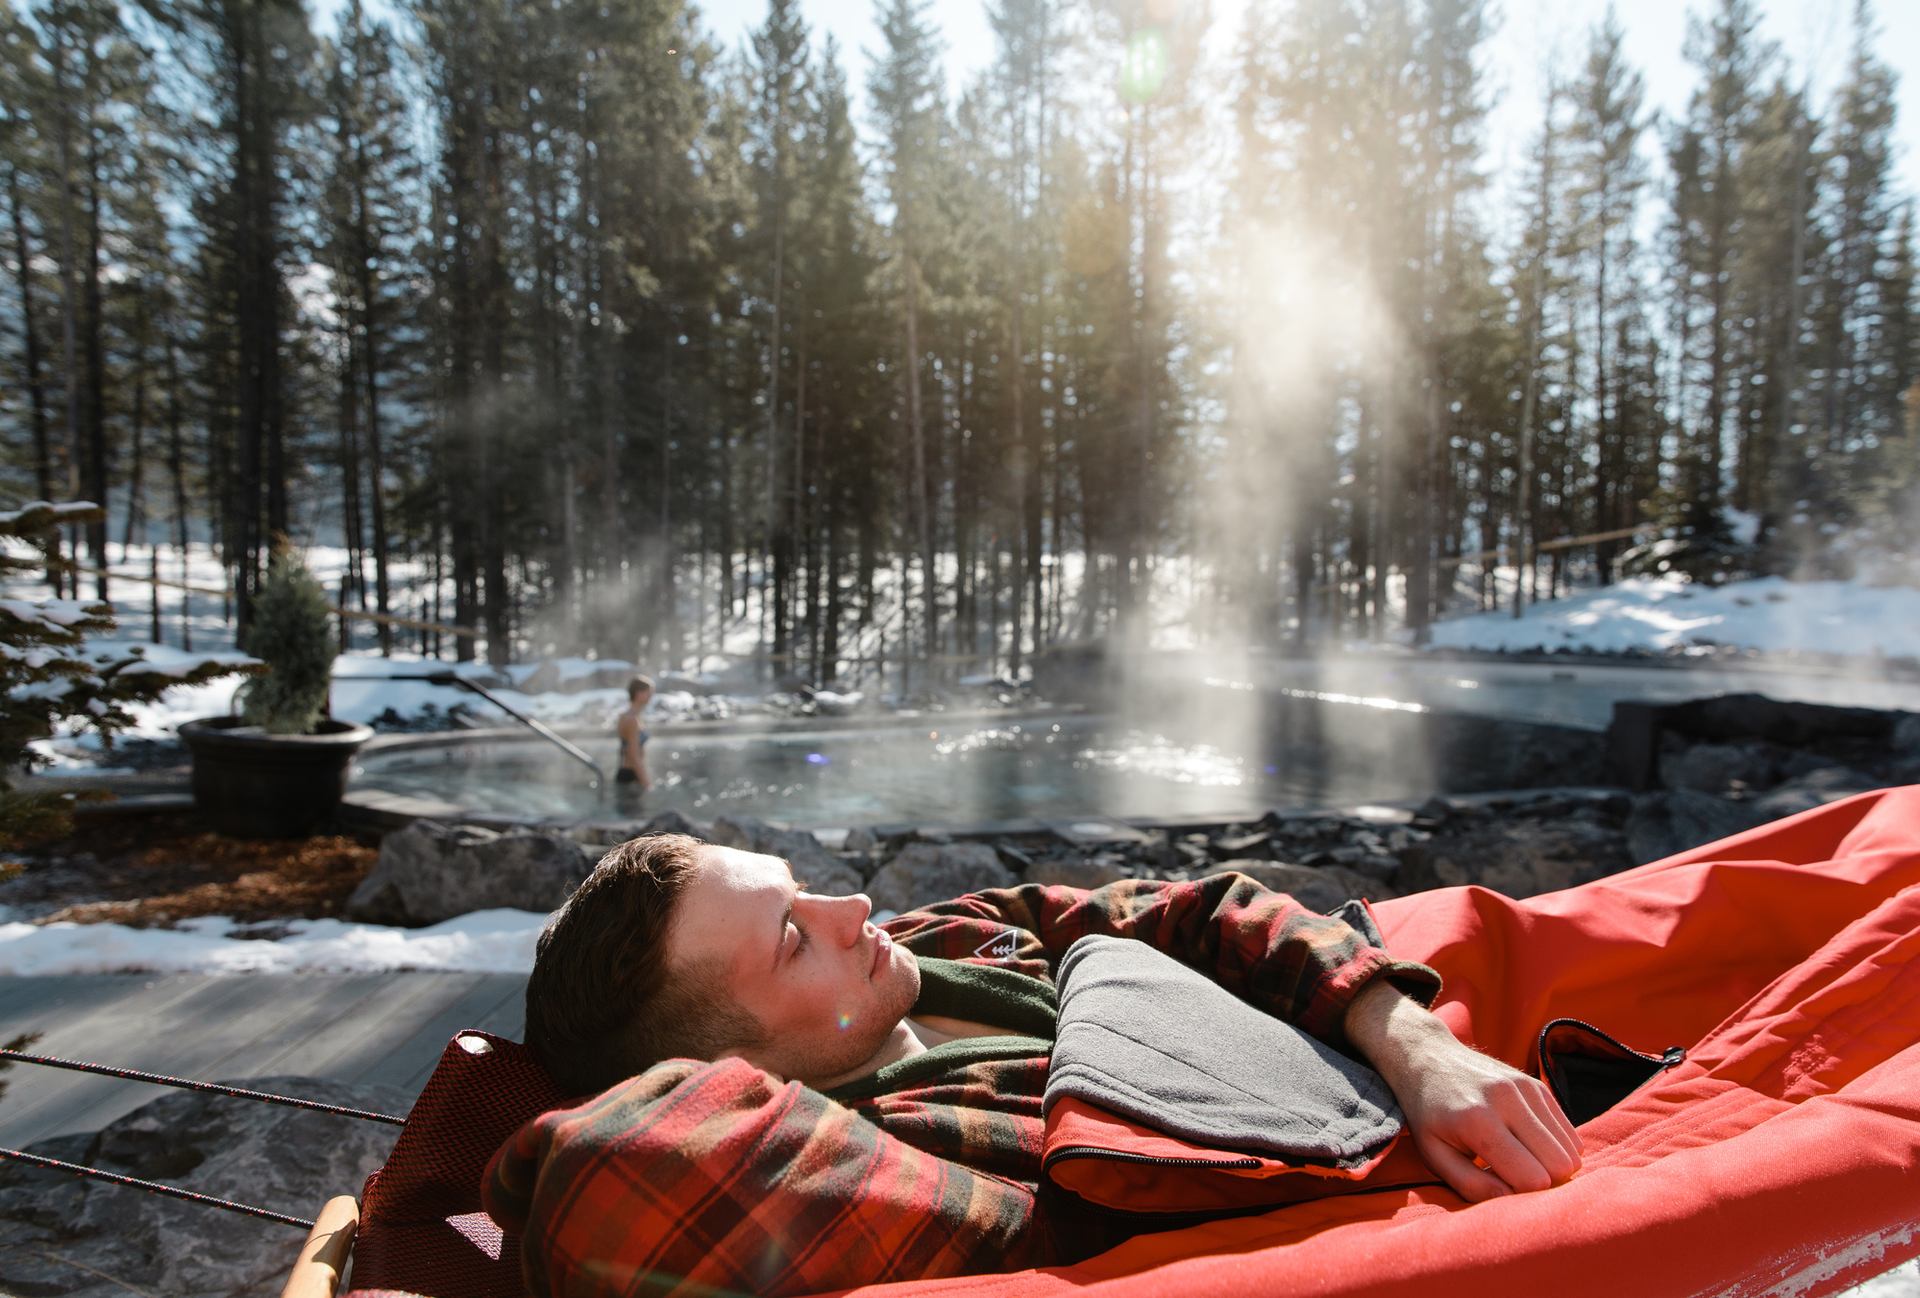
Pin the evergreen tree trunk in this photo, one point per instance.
(352, 524)
(136, 471)
(177, 469)
(96, 364)
(371, 339)
(773, 554)
(69, 263)
(36, 384)
(494, 468)
(922, 489)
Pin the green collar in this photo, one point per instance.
(1028, 1007)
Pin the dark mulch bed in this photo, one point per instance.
(155, 870)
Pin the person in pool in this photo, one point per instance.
(633, 777)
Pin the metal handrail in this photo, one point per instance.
(546, 732)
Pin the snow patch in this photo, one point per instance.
(1814, 1268)
(486, 941)
(1669, 614)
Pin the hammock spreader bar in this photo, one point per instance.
(155, 1187)
(160, 1079)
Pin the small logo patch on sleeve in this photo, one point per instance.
(998, 948)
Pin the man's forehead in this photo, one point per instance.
(731, 905)
(744, 871)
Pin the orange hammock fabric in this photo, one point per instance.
(1783, 1157)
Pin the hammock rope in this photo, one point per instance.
(154, 1187)
(185, 1084)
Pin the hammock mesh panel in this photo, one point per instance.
(422, 1229)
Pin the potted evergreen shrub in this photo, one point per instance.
(279, 768)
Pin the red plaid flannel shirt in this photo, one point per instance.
(699, 1176)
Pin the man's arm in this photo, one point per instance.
(1462, 1105)
(721, 1178)
(1261, 945)
(1310, 969)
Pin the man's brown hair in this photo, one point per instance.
(602, 1004)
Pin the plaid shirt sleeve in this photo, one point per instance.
(705, 1178)
(1261, 945)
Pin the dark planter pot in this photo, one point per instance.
(251, 784)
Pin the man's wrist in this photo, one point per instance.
(1392, 1031)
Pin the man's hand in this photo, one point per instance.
(1462, 1105)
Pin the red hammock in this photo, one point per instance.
(1783, 1157)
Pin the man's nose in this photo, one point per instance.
(846, 917)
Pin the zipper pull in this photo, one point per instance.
(1674, 1055)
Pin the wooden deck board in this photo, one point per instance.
(360, 1047)
(387, 1028)
(185, 1026)
(491, 1004)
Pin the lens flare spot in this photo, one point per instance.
(846, 1020)
(819, 759)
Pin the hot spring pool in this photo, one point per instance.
(938, 770)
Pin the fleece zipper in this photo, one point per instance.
(1670, 1057)
(1159, 1160)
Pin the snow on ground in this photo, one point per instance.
(1666, 614)
(486, 941)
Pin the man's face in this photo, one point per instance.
(829, 988)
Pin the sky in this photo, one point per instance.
(1815, 33)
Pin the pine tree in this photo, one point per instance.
(49, 674)
(1454, 264)
(22, 154)
(1778, 179)
(291, 634)
(1862, 394)
(1706, 155)
(909, 114)
(1539, 291)
(1609, 177)
(842, 420)
(778, 53)
(1026, 76)
(253, 58)
(371, 206)
(1892, 471)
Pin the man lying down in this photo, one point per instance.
(791, 1099)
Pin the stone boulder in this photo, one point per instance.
(1905, 739)
(831, 876)
(924, 873)
(61, 1234)
(1523, 857)
(1080, 872)
(820, 869)
(1661, 824)
(1716, 768)
(672, 822)
(1813, 789)
(1317, 887)
(429, 872)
